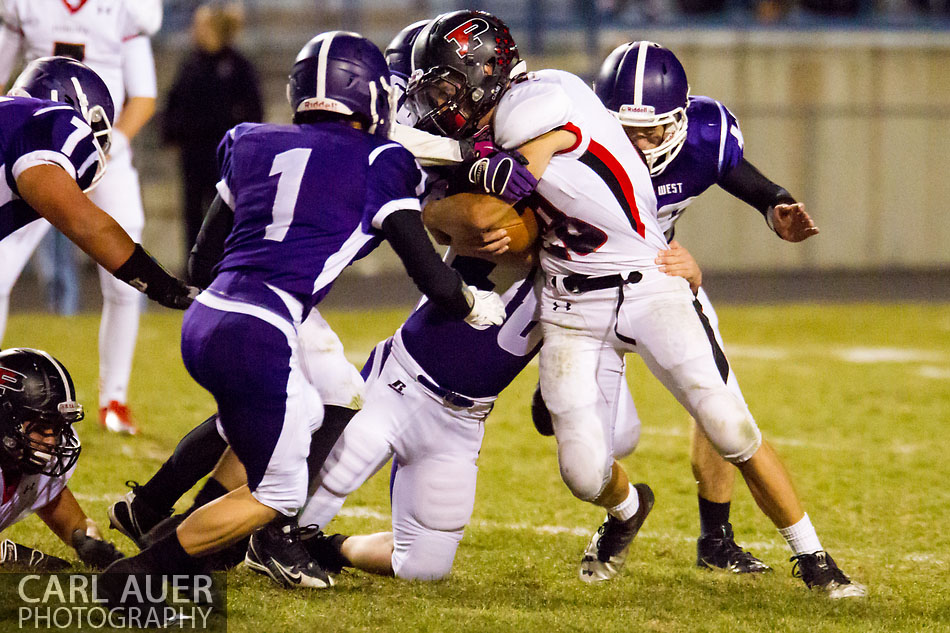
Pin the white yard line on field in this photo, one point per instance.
(888, 355)
(859, 354)
(363, 512)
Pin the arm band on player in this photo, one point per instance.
(146, 275)
(749, 185)
(443, 286)
(209, 245)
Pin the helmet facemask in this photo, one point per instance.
(98, 120)
(445, 103)
(25, 442)
(674, 136)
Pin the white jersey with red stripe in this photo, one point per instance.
(600, 211)
(109, 36)
(22, 495)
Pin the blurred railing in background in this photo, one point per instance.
(844, 102)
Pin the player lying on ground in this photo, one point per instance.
(239, 339)
(604, 296)
(56, 134)
(38, 454)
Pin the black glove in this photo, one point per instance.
(93, 552)
(146, 275)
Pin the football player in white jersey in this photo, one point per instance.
(38, 453)
(111, 37)
(604, 295)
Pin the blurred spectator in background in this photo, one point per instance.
(215, 89)
(56, 264)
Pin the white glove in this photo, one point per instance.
(487, 309)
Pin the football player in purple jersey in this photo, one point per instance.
(56, 122)
(305, 200)
(440, 391)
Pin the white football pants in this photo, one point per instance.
(436, 446)
(581, 371)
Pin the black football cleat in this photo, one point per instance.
(16, 557)
(819, 571)
(132, 517)
(608, 547)
(276, 550)
(719, 550)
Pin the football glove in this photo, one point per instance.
(504, 175)
(14, 556)
(487, 309)
(146, 275)
(94, 552)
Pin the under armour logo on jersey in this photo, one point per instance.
(466, 37)
(566, 306)
(12, 380)
(398, 386)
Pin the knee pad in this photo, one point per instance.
(428, 557)
(432, 504)
(728, 425)
(582, 454)
(325, 365)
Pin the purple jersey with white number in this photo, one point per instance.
(38, 132)
(471, 362)
(308, 200)
(713, 147)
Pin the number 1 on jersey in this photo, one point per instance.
(290, 166)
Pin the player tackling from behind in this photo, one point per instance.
(604, 295)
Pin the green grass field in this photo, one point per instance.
(855, 398)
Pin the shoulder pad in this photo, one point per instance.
(530, 108)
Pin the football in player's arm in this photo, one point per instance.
(38, 454)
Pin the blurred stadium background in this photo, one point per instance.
(844, 102)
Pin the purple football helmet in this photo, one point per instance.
(644, 85)
(344, 73)
(65, 80)
(462, 63)
(37, 411)
(399, 51)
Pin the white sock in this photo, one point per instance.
(801, 537)
(628, 507)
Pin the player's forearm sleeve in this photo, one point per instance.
(749, 185)
(443, 286)
(209, 245)
(430, 150)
